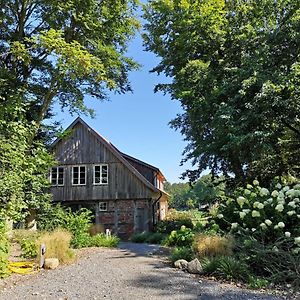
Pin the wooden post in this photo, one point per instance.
(42, 255)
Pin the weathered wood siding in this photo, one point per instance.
(147, 172)
(83, 147)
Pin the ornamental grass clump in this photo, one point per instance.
(205, 245)
(57, 245)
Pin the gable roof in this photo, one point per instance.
(121, 156)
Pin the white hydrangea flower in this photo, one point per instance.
(296, 193)
(296, 200)
(228, 201)
(260, 206)
(246, 210)
(298, 216)
(234, 225)
(253, 195)
(253, 229)
(270, 200)
(292, 204)
(255, 204)
(263, 226)
(287, 234)
(247, 192)
(278, 186)
(242, 214)
(276, 227)
(255, 214)
(279, 207)
(264, 192)
(296, 251)
(281, 225)
(286, 188)
(255, 182)
(268, 222)
(241, 200)
(220, 216)
(290, 193)
(274, 194)
(297, 186)
(291, 212)
(297, 240)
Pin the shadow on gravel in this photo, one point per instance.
(179, 286)
(135, 249)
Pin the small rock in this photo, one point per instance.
(181, 264)
(194, 267)
(51, 263)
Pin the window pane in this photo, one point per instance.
(75, 175)
(54, 176)
(103, 206)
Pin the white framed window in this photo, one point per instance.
(100, 174)
(57, 176)
(103, 206)
(78, 175)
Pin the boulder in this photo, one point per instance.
(51, 263)
(194, 267)
(181, 264)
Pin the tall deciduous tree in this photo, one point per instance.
(55, 50)
(235, 68)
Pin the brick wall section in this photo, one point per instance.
(125, 217)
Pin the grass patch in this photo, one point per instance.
(57, 245)
(206, 245)
(101, 240)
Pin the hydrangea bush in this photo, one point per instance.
(269, 215)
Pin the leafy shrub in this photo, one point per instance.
(29, 248)
(271, 261)
(181, 253)
(4, 251)
(226, 267)
(212, 245)
(266, 215)
(174, 220)
(78, 223)
(57, 245)
(155, 238)
(101, 240)
(140, 237)
(181, 238)
(257, 283)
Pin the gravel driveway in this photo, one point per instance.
(134, 271)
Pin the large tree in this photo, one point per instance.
(60, 51)
(235, 68)
(53, 52)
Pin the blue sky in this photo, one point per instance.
(137, 123)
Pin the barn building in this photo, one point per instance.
(126, 195)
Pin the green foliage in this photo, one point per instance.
(257, 283)
(226, 267)
(29, 248)
(181, 238)
(174, 220)
(140, 237)
(234, 67)
(155, 238)
(203, 192)
(148, 237)
(101, 240)
(265, 214)
(4, 251)
(59, 52)
(181, 253)
(78, 223)
(23, 167)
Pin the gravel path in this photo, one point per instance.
(134, 271)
